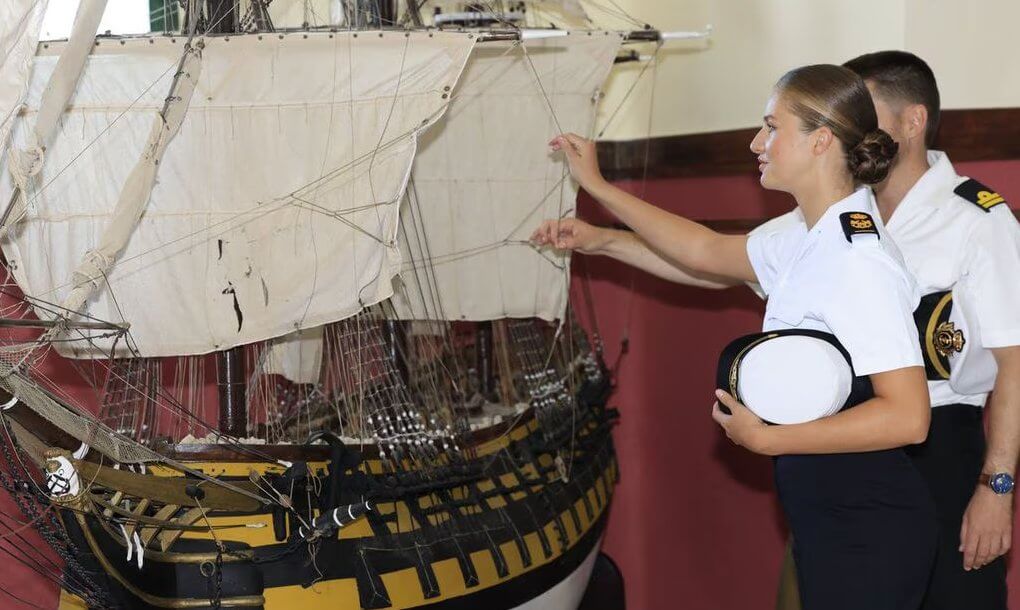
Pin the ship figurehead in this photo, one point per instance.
(63, 482)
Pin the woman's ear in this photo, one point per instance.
(822, 140)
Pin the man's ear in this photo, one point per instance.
(915, 121)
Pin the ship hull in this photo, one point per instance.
(557, 582)
(524, 536)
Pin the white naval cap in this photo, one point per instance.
(791, 376)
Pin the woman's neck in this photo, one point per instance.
(816, 199)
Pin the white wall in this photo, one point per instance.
(723, 83)
(973, 47)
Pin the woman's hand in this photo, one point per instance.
(742, 426)
(581, 158)
(571, 234)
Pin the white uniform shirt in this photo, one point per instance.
(946, 242)
(859, 290)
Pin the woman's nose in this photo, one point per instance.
(757, 144)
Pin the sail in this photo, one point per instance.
(20, 21)
(483, 180)
(274, 209)
(297, 356)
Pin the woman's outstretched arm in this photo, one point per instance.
(677, 239)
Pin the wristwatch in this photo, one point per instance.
(1000, 482)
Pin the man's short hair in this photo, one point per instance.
(904, 77)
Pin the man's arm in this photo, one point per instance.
(622, 245)
(628, 247)
(987, 529)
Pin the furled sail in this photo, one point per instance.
(483, 180)
(20, 22)
(275, 207)
(27, 160)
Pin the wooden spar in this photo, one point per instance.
(84, 325)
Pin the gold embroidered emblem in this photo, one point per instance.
(857, 223)
(979, 194)
(987, 199)
(948, 340)
(860, 221)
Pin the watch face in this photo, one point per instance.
(1001, 483)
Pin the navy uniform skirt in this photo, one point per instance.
(864, 529)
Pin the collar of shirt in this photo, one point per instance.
(939, 179)
(860, 200)
(829, 226)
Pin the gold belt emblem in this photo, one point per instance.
(948, 340)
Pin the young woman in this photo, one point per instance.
(862, 519)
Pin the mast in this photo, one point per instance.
(484, 361)
(374, 13)
(222, 17)
(232, 383)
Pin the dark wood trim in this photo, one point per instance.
(967, 135)
(721, 153)
(745, 225)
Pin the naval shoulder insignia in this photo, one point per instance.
(979, 194)
(857, 223)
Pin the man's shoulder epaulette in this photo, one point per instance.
(979, 194)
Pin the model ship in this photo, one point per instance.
(273, 335)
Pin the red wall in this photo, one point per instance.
(695, 523)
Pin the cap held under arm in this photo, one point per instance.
(791, 376)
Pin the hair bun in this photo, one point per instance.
(871, 159)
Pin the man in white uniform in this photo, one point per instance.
(955, 234)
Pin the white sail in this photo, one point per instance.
(484, 179)
(20, 21)
(97, 262)
(297, 356)
(276, 205)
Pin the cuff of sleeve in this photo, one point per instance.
(754, 254)
(1004, 337)
(870, 364)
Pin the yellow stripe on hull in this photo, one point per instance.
(404, 589)
(403, 586)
